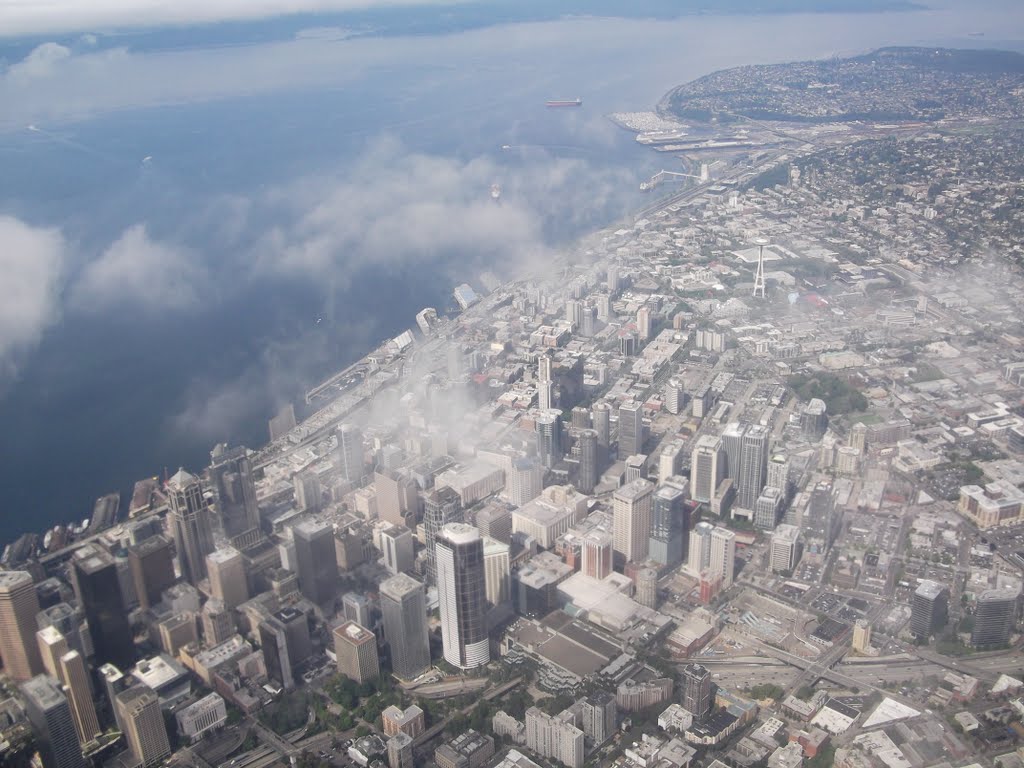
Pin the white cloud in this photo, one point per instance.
(139, 272)
(34, 17)
(31, 263)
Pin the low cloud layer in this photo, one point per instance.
(139, 273)
(31, 263)
(18, 17)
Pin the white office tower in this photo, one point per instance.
(350, 453)
(613, 279)
(545, 385)
(462, 595)
(784, 551)
(497, 571)
(753, 465)
(631, 520)
(403, 606)
(671, 460)
(228, 580)
(631, 429)
(675, 396)
(643, 322)
(723, 555)
(707, 468)
(778, 472)
(524, 480)
(699, 555)
(600, 418)
(52, 645)
(396, 544)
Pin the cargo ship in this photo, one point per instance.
(564, 103)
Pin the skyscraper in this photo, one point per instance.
(461, 591)
(143, 723)
(723, 555)
(308, 491)
(778, 473)
(99, 594)
(274, 644)
(228, 580)
(545, 384)
(597, 554)
(600, 418)
(356, 607)
(699, 551)
(670, 526)
(235, 487)
(995, 615)
(631, 520)
(356, 649)
(50, 714)
(589, 452)
(396, 546)
(631, 429)
(403, 604)
(83, 711)
(732, 440)
(696, 694)
(675, 396)
(350, 453)
(707, 468)
(929, 609)
(190, 523)
(19, 605)
(317, 561)
(52, 645)
(152, 568)
(397, 497)
(497, 571)
(549, 438)
(814, 419)
(440, 507)
(753, 465)
(785, 548)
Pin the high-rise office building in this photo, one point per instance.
(52, 645)
(767, 508)
(670, 526)
(670, 461)
(218, 622)
(228, 580)
(778, 473)
(707, 468)
(440, 507)
(497, 571)
(190, 523)
(699, 551)
(357, 608)
(732, 441)
(151, 562)
(274, 644)
(98, 589)
(723, 555)
(350, 453)
(785, 548)
(643, 323)
(308, 491)
(549, 438)
(65, 620)
(50, 714)
(317, 561)
(397, 548)
(929, 609)
(524, 480)
(600, 418)
(76, 678)
(696, 693)
(599, 715)
(597, 554)
(19, 605)
(995, 615)
(580, 418)
(462, 595)
(631, 429)
(495, 520)
(356, 649)
(590, 452)
(814, 419)
(113, 682)
(403, 605)
(545, 384)
(631, 520)
(753, 471)
(232, 478)
(144, 728)
(397, 497)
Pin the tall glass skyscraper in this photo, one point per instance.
(462, 595)
(190, 523)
